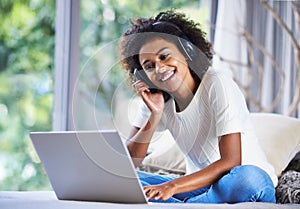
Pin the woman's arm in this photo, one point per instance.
(140, 138)
(230, 151)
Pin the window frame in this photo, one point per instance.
(67, 53)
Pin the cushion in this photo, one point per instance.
(279, 137)
(288, 188)
(165, 155)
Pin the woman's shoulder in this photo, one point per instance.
(215, 76)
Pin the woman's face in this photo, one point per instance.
(164, 64)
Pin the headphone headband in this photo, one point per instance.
(163, 26)
(183, 40)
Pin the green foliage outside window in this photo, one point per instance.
(26, 89)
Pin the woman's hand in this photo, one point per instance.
(160, 192)
(154, 101)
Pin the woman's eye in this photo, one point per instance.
(163, 56)
(148, 67)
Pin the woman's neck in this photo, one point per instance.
(185, 95)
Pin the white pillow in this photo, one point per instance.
(165, 154)
(279, 137)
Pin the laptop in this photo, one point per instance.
(89, 166)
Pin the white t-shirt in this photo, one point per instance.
(218, 108)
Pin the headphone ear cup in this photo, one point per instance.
(188, 48)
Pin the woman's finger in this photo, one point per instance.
(151, 193)
(140, 87)
(159, 195)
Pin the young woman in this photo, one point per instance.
(168, 60)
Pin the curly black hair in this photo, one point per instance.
(143, 30)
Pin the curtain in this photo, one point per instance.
(257, 42)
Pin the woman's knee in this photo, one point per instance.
(250, 176)
(248, 183)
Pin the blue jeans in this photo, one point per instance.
(246, 183)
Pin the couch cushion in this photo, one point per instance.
(165, 154)
(279, 137)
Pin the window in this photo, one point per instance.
(26, 89)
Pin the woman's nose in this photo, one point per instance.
(160, 68)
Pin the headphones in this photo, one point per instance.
(184, 43)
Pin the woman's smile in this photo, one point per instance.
(166, 76)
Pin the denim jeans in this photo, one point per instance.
(246, 183)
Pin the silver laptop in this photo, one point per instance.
(88, 166)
